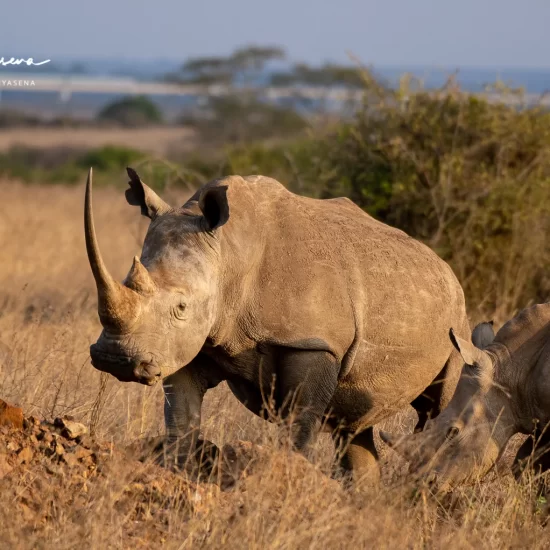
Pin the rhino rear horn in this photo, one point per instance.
(143, 196)
(483, 335)
(138, 278)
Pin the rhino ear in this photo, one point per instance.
(143, 196)
(214, 206)
(483, 335)
(469, 352)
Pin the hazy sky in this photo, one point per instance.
(385, 32)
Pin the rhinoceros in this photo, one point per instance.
(504, 389)
(338, 318)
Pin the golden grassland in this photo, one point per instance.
(47, 322)
(161, 140)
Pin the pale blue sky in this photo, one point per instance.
(447, 33)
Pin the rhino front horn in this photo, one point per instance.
(117, 304)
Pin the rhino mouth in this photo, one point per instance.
(125, 368)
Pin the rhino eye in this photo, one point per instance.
(179, 311)
(452, 432)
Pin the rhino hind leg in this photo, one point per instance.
(438, 394)
(358, 460)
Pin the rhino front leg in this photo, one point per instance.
(184, 392)
(535, 455)
(307, 382)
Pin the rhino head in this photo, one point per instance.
(158, 319)
(467, 438)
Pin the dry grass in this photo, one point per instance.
(48, 320)
(162, 140)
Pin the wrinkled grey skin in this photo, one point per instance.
(311, 303)
(504, 389)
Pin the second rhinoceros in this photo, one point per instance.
(311, 303)
(504, 389)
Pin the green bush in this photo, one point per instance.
(110, 157)
(244, 119)
(66, 165)
(468, 177)
(12, 118)
(131, 111)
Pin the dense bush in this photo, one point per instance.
(69, 166)
(110, 157)
(65, 164)
(13, 118)
(468, 177)
(243, 119)
(36, 164)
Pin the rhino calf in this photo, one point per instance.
(313, 303)
(504, 389)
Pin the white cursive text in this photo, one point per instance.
(29, 61)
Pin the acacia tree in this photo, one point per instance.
(245, 64)
(327, 75)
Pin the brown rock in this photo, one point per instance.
(32, 424)
(69, 459)
(47, 436)
(82, 453)
(25, 455)
(5, 466)
(72, 430)
(12, 446)
(52, 469)
(88, 442)
(10, 415)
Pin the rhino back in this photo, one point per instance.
(325, 273)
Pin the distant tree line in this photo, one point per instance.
(247, 65)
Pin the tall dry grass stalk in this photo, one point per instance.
(47, 322)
